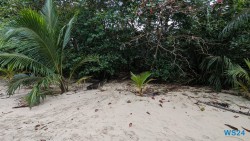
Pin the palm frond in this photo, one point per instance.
(236, 23)
(8, 72)
(241, 77)
(247, 61)
(32, 29)
(20, 62)
(64, 38)
(50, 14)
(21, 80)
(135, 79)
(33, 21)
(41, 89)
(35, 95)
(238, 72)
(144, 76)
(83, 79)
(214, 68)
(68, 32)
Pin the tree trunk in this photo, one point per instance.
(140, 92)
(63, 86)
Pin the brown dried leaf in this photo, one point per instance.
(246, 129)
(232, 127)
(130, 124)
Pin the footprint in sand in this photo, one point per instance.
(107, 129)
(75, 137)
(162, 139)
(205, 137)
(132, 136)
(169, 131)
(94, 116)
(189, 138)
(184, 105)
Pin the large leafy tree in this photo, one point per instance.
(39, 45)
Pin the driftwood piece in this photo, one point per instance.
(224, 108)
(96, 85)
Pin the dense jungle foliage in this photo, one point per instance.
(198, 42)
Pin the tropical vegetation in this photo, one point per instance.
(141, 80)
(194, 42)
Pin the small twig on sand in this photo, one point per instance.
(22, 106)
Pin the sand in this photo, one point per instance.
(114, 113)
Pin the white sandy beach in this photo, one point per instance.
(113, 113)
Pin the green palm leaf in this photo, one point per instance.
(141, 80)
(20, 62)
(236, 23)
(50, 14)
(241, 77)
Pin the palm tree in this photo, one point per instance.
(40, 44)
(140, 80)
(236, 23)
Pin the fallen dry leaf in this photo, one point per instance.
(130, 124)
(36, 127)
(232, 127)
(236, 116)
(246, 129)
